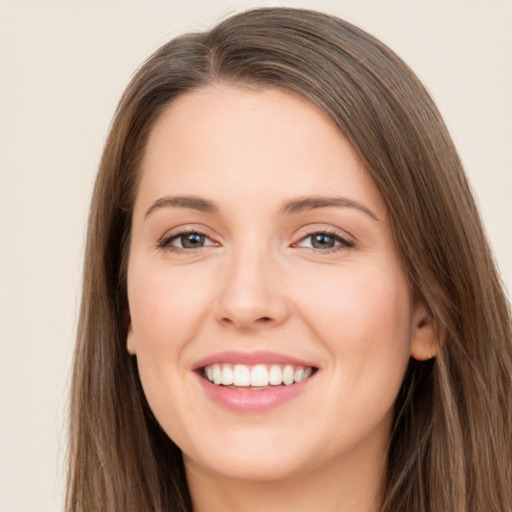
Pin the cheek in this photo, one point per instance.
(365, 299)
(365, 321)
(166, 307)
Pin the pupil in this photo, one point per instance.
(321, 241)
(192, 240)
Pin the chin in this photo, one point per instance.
(250, 467)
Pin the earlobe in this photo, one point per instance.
(426, 338)
(130, 344)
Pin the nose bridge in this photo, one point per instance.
(251, 295)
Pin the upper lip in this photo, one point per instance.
(250, 359)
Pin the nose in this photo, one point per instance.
(252, 296)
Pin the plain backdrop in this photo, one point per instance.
(63, 67)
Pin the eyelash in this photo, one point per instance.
(343, 243)
(166, 241)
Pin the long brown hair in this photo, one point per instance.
(451, 444)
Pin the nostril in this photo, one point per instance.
(264, 319)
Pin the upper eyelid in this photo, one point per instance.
(187, 228)
(343, 242)
(312, 229)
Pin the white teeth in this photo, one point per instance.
(259, 375)
(241, 375)
(288, 374)
(275, 375)
(227, 375)
(217, 374)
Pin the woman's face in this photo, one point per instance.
(261, 249)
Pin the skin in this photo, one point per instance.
(259, 284)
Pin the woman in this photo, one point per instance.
(289, 301)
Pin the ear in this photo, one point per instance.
(426, 340)
(130, 340)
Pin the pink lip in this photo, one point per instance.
(249, 358)
(247, 401)
(252, 401)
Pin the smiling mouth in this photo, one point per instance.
(255, 377)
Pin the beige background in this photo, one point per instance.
(63, 66)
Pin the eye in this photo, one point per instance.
(324, 240)
(184, 241)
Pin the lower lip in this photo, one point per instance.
(252, 401)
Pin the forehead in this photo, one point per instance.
(238, 142)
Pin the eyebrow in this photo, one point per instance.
(310, 203)
(192, 202)
(290, 207)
